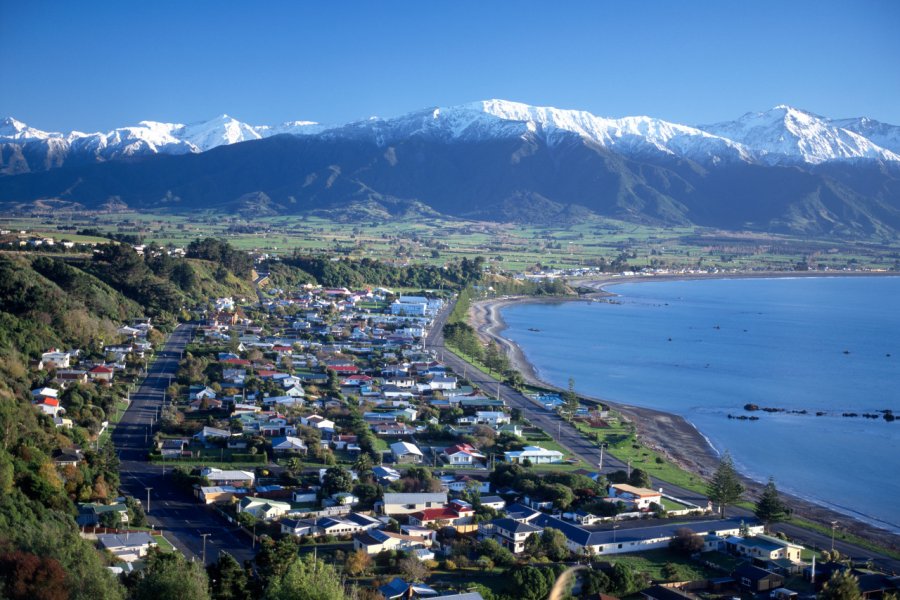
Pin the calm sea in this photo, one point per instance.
(704, 349)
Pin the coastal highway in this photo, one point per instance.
(171, 509)
(570, 438)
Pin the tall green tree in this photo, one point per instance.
(306, 579)
(170, 576)
(228, 580)
(725, 487)
(571, 398)
(337, 479)
(640, 478)
(843, 585)
(770, 508)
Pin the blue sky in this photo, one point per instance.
(97, 65)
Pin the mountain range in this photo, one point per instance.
(784, 169)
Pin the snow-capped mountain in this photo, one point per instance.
(885, 135)
(785, 134)
(780, 136)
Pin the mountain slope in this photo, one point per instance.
(525, 177)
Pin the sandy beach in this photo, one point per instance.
(671, 435)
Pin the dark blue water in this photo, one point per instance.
(704, 349)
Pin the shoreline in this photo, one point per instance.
(671, 435)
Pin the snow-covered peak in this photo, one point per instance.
(785, 134)
(219, 131)
(12, 129)
(884, 134)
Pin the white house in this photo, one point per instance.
(263, 508)
(462, 454)
(640, 498)
(288, 444)
(127, 547)
(218, 477)
(406, 503)
(405, 452)
(535, 454)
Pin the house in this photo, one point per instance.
(462, 454)
(173, 447)
(639, 536)
(305, 496)
(385, 474)
(392, 429)
(101, 373)
(205, 404)
(56, 359)
(237, 478)
(288, 444)
(67, 457)
(659, 592)
(50, 406)
(756, 579)
(128, 547)
(406, 453)
(640, 498)
(763, 547)
(495, 502)
(493, 418)
(509, 533)
(535, 454)
(398, 588)
(208, 434)
(377, 540)
(263, 508)
(318, 422)
(441, 517)
(406, 503)
(89, 513)
(214, 494)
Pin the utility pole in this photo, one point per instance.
(603, 445)
(833, 527)
(204, 536)
(148, 498)
(629, 469)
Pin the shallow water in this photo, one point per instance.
(704, 349)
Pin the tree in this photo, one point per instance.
(640, 478)
(670, 571)
(306, 578)
(531, 582)
(337, 479)
(357, 563)
(843, 585)
(24, 576)
(770, 508)
(412, 569)
(228, 580)
(571, 398)
(623, 580)
(686, 541)
(594, 583)
(725, 487)
(275, 558)
(553, 544)
(111, 519)
(169, 575)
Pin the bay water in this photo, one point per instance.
(703, 349)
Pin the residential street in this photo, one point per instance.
(171, 510)
(571, 438)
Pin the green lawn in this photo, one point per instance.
(653, 561)
(623, 444)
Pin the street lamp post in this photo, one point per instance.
(148, 498)
(204, 536)
(833, 527)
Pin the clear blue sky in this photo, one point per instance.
(97, 65)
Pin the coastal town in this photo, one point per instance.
(336, 422)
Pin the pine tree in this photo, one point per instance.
(770, 508)
(725, 487)
(843, 585)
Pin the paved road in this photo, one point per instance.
(569, 437)
(172, 510)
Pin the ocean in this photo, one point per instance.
(704, 349)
